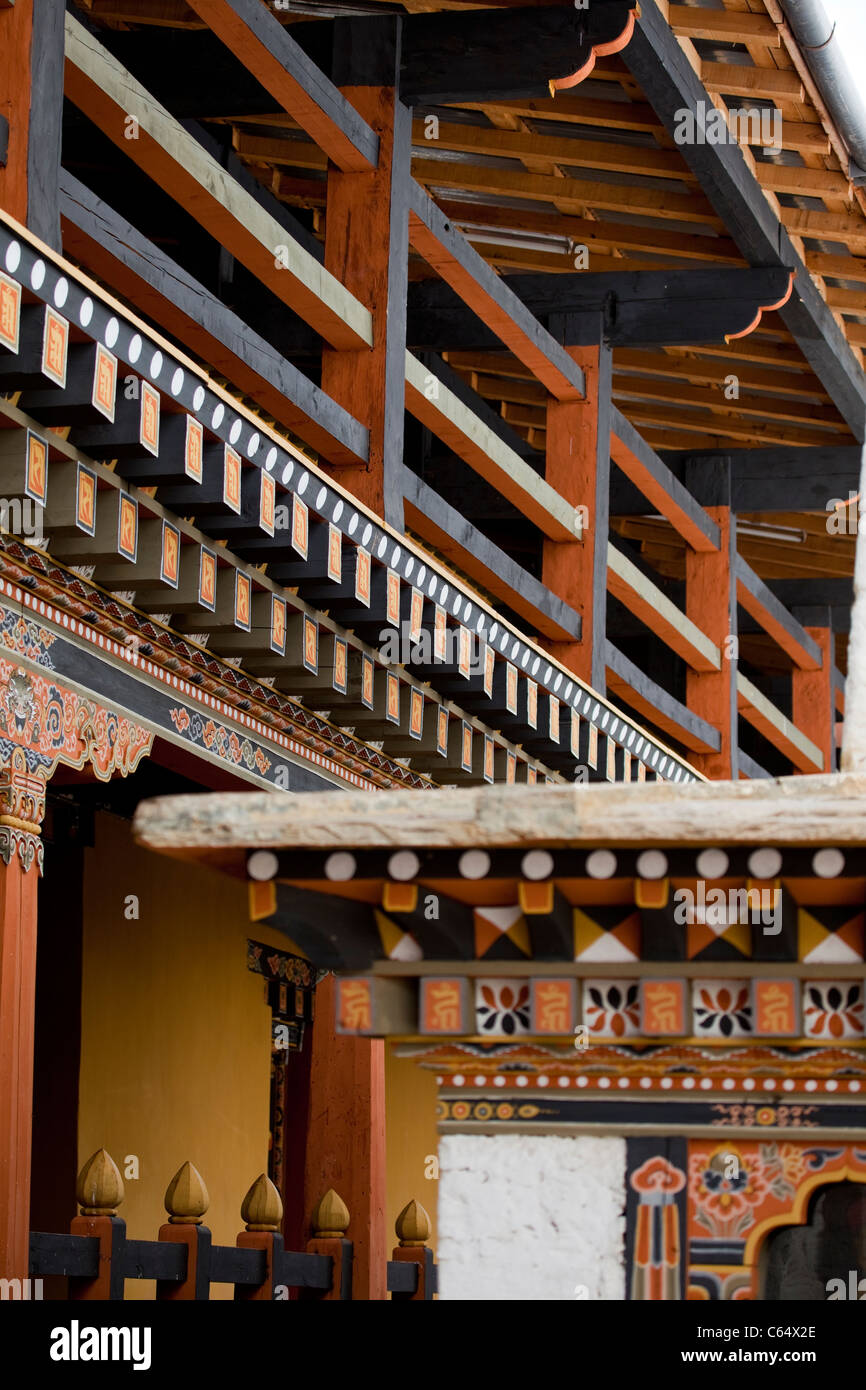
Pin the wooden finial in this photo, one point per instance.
(100, 1187)
(262, 1208)
(186, 1197)
(331, 1217)
(413, 1225)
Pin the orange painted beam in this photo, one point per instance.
(346, 1138)
(269, 52)
(18, 888)
(369, 255)
(656, 492)
(16, 31)
(571, 467)
(709, 602)
(813, 700)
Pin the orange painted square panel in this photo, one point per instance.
(532, 704)
(776, 1006)
(193, 449)
(335, 553)
(663, 1008)
(444, 1006)
(392, 598)
(362, 576)
(392, 702)
(10, 313)
(552, 1006)
(232, 479)
(170, 567)
(311, 644)
(148, 433)
(440, 634)
(267, 503)
(341, 664)
(367, 681)
(300, 526)
(85, 500)
(442, 732)
(416, 713)
(243, 600)
(36, 481)
(354, 1005)
(207, 573)
(278, 625)
(55, 345)
(104, 382)
(127, 528)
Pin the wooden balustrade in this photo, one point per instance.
(97, 1257)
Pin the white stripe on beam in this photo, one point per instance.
(763, 715)
(643, 598)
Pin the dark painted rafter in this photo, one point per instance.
(645, 308)
(669, 83)
(784, 479)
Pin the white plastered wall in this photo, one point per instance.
(525, 1216)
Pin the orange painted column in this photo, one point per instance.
(346, 1138)
(16, 30)
(813, 699)
(577, 466)
(711, 605)
(367, 249)
(22, 805)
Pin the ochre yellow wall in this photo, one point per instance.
(175, 1048)
(411, 1139)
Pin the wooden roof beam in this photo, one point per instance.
(763, 715)
(761, 604)
(646, 601)
(110, 95)
(491, 299)
(660, 486)
(268, 51)
(656, 60)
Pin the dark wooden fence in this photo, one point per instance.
(97, 1257)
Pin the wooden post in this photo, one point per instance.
(186, 1201)
(31, 99)
(413, 1232)
(711, 603)
(262, 1210)
(813, 700)
(330, 1223)
(100, 1192)
(346, 1136)
(367, 249)
(578, 467)
(22, 806)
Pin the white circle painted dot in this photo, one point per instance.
(479, 626)
(382, 547)
(811, 1086)
(403, 865)
(728, 1084)
(749, 1084)
(655, 757)
(765, 863)
(366, 534)
(666, 1083)
(135, 348)
(524, 660)
(712, 863)
(409, 567)
(478, 1080)
(646, 1082)
(828, 863)
(563, 1081)
(396, 556)
(688, 1083)
(535, 665)
(788, 1084)
(831, 1085)
(542, 1081)
(601, 863)
(523, 1080)
(37, 274)
(503, 641)
(198, 398)
(253, 444)
(457, 1079)
(340, 866)
(177, 380)
(769, 1084)
(853, 1085)
(353, 523)
(303, 483)
(217, 418)
(603, 1083)
(706, 1083)
(652, 864)
(455, 607)
(263, 865)
(235, 432)
(474, 863)
(112, 332)
(537, 863)
(61, 292)
(338, 511)
(13, 257)
(85, 312)
(499, 1080)
(321, 498)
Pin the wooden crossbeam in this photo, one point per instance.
(268, 51)
(662, 488)
(646, 600)
(761, 604)
(626, 682)
(456, 425)
(490, 299)
(763, 715)
(109, 95)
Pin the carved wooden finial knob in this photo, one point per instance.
(100, 1187)
(413, 1225)
(331, 1217)
(186, 1197)
(262, 1208)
